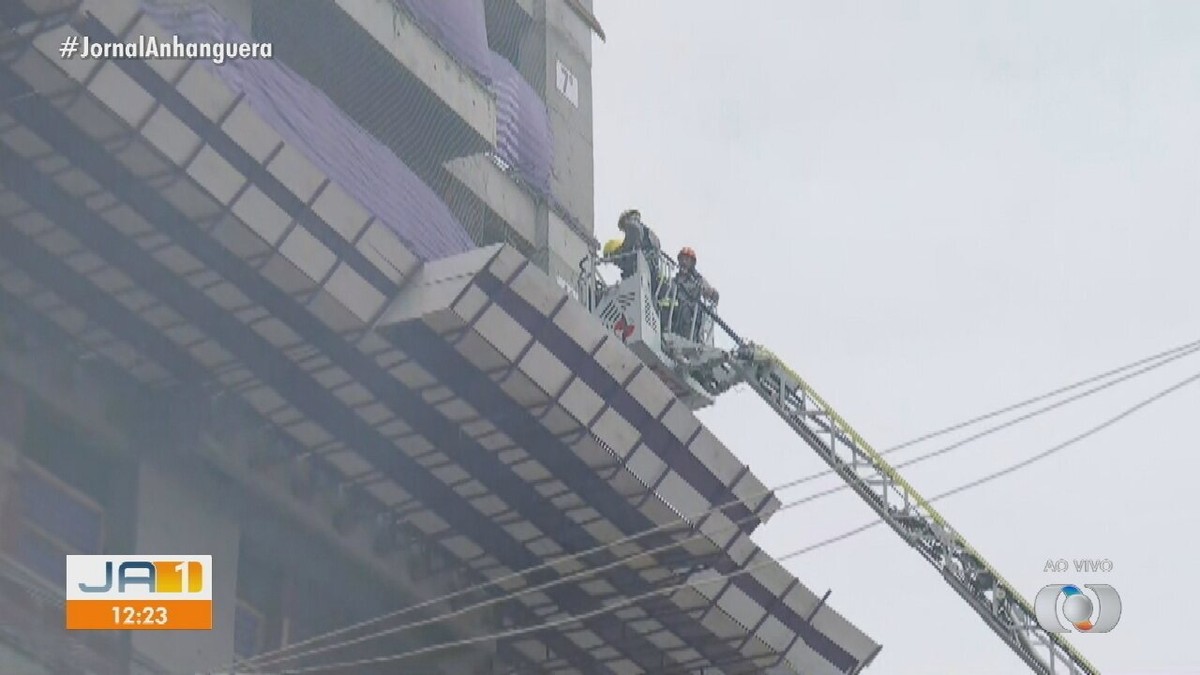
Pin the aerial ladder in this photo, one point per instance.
(675, 336)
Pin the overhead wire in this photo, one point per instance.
(1165, 356)
(1173, 353)
(278, 655)
(289, 654)
(987, 478)
(590, 571)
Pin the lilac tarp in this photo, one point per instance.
(459, 26)
(523, 134)
(305, 117)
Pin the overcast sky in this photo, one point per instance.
(933, 209)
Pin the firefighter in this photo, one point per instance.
(607, 253)
(638, 237)
(690, 289)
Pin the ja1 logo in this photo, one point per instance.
(1078, 608)
(143, 592)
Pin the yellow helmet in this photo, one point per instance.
(611, 246)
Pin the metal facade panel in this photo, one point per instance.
(262, 215)
(343, 213)
(379, 245)
(721, 624)
(503, 332)
(646, 465)
(611, 424)
(559, 422)
(171, 136)
(251, 132)
(680, 421)
(553, 460)
(481, 353)
(521, 389)
(581, 401)
(617, 432)
(775, 634)
(549, 373)
(215, 174)
(530, 284)
(307, 253)
(833, 624)
(650, 391)
(718, 527)
(751, 490)
(355, 293)
(741, 607)
(801, 600)
(713, 454)
(506, 263)
(805, 659)
(471, 303)
(429, 302)
(578, 324)
(204, 90)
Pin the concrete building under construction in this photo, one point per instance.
(323, 317)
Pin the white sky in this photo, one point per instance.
(933, 209)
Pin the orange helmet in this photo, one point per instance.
(687, 252)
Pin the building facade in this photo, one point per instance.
(314, 316)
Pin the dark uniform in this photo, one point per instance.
(638, 237)
(690, 289)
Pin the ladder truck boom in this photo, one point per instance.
(909, 514)
(697, 370)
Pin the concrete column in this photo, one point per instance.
(556, 57)
(541, 230)
(567, 249)
(176, 514)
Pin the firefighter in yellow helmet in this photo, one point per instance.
(638, 237)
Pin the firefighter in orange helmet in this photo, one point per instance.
(690, 289)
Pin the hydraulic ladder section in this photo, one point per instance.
(898, 504)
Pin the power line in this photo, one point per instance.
(590, 571)
(1175, 353)
(281, 655)
(785, 507)
(789, 556)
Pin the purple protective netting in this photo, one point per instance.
(459, 26)
(305, 117)
(524, 139)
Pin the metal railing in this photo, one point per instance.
(681, 313)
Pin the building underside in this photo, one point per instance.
(194, 278)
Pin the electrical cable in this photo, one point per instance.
(590, 571)
(1189, 348)
(276, 656)
(788, 556)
